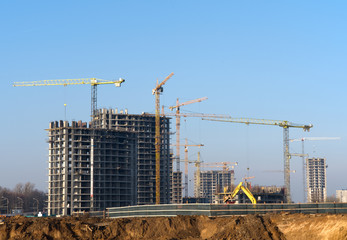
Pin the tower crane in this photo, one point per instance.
(303, 156)
(156, 91)
(223, 165)
(94, 82)
(197, 165)
(178, 124)
(285, 125)
(186, 145)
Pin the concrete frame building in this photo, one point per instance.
(144, 127)
(176, 187)
(341, 195)
(316, 180)
(109, 165)
(212, 182)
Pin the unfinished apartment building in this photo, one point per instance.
(110, 165)
(176, 187)
(316, 180)
(212, 182)
(86, 174)
(144, 127)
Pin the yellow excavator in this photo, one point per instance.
(229, 199)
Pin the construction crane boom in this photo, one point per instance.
(156, 91)
(94, 82)
(199, 115)
(314, 139)
(188, 102)
(223, 165)
(159, 86)
(65, 82)
(281, 123)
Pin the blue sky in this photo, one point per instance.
(282, 60)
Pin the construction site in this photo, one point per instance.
(120, 159)
(120, 165)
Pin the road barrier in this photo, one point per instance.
(213, 210)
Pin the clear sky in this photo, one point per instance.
(282, 60)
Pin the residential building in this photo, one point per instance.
(316, 180)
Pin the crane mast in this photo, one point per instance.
(285, 125)
(197, 164)
(178, 126)
(156, 91)
(186, 161)
(94, 82)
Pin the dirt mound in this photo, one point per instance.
(181, 227)
(312, 226)
(270, 226)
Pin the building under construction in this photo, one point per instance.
(212, 182)
(109, 165)
(176, 187)
(316, 180)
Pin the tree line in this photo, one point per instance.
(23, 198)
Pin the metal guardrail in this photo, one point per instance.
(212, 210)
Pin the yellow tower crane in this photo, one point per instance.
(285, 125)
(94, 82)
(156, 91)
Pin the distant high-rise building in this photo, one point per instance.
(212, 182)
(316, 179)
(341, 195)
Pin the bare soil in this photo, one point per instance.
(262, 227)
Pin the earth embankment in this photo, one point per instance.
(262, 227)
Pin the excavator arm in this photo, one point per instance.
(249, 194)
(236, 190)
(245, 190)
